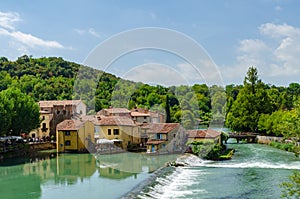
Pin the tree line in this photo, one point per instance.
(253, 106)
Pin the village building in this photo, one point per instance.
(55, 111)
(165, 137)
(121, 112)
(75, 135)
(143, 115)
(121, 130)
(208, 135)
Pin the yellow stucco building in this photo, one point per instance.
(75, 135)
(122, 130)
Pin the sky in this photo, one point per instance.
(232, 35)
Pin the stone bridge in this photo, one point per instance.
(249, 136)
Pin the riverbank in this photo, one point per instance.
(20, 150)
(279, 143)
(255, 171)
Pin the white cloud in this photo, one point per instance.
(18, 42)
(277, 57)
(277, 8)
(90, 31)
(278, 31)
(8, 20)
(153, 15)
(94, 33)
(30, 40)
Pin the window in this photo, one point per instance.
(68, 143)
(44, 129)
(97, 129)
(109, 131)
(57, 112)
(116, 131)
(43, 117)
(64, 112)
(159, 136)
(67, 133)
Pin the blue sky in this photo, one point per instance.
(235, 34)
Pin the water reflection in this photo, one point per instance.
(70, 168)
(38, 177)
(131, 163)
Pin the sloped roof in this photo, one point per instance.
(139, 114)
(117, 110)
(69, 125)
(207, 133)
(115, 121)
(51, 103)
(160, 127)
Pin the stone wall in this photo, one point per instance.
(268, 139)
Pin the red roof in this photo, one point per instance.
(115, 121)
(208, 133)
(116, 110)
(160, 127)
(69, 125)
(138, 114)
(51, 103)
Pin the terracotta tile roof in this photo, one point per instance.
(160, 127)
(69, 125)
(117, 110)
(51, 103)
(91, 118)
(115, 121)
(155, 142)
(208, 133)
(138, 114)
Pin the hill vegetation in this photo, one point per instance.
(253, 106)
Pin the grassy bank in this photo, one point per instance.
(286, 147)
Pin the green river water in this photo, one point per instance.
(254, 172)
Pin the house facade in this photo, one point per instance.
(120, 112)
(122, 130)
(165, 137)
(75, 135)
(208, 135)
(55, 111)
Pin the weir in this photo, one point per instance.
(249, 136)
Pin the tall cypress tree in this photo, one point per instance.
(167, 108)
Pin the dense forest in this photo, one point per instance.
(254, 106)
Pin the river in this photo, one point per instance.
(254, 172)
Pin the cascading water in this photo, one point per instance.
(255, 171)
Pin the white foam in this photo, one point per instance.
(175, 185)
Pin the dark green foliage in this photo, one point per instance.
(19, 113)
(208, 150)
(291, 189)
(252, 101)
(168, 114)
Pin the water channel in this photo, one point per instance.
(254, 172)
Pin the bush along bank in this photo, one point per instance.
(210, 150)
(291, 147)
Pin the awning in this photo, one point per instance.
(116, 140)
(155, 142)
(105, 141)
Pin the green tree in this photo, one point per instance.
(19, 112)
(167, 108)
(251, 102)
(291, 189)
